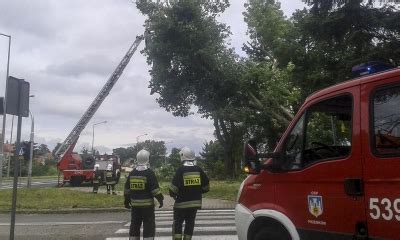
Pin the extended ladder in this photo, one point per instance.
(77, 130)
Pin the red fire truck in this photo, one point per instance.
(335, 173)
(76, 170)
(70, 165)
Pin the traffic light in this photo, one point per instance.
(26, 147)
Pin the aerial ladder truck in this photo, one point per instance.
(70, 165)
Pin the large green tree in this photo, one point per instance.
(157, 151)
(325, 41)
(191, 66)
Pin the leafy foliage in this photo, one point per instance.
(191, 65)
(325, 42)
(157, 151)
(212, 160)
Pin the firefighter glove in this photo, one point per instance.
(127, 205)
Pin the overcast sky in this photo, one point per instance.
(67, 49)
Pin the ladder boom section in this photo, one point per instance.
(77, 130)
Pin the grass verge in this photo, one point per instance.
(57, 198)
(71, 198)
(226, 190)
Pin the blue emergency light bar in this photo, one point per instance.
(369, 68)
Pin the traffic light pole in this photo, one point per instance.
(15, 185)
(17, 104)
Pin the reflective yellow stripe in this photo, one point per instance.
(178, 236)
(189, 204)
(142, 202)
(137, 183)
(156, 191)
(173, 188)
(191, 179)
(187, 237)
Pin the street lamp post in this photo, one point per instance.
(165, 157)
(5, 111)
(31, 150)
(93, 134)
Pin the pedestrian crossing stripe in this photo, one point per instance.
(169, 223)
(207, 237)
(209, 225)
(197, 229)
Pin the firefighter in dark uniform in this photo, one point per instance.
(110, 179)
(141, 188)
(187, 187)
(96, 178)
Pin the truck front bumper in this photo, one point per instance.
(243, 219)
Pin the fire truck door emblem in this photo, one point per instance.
(315, 206)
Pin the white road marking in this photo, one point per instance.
(169, 223)
(196, 229)
(204, 237)
(63, 223)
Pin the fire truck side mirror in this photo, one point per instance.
(252, 163)
(255, 161)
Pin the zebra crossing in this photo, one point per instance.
(36, 183)
(210, 225)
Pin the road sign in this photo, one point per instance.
(21, 151)
(17, 97)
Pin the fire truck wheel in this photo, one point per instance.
(272, 231)
(76, 181)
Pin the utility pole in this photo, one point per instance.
(3, 131)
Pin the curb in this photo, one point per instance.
(67, 211)
(93, 210)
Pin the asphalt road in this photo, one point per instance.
(210, 225)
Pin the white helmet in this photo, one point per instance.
(187, 154)
(109, 167)
(96, 166)
(142, 157)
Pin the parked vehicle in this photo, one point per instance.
(104, 160)
(335, 173)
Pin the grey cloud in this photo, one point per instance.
(32, 17)
(67, 49)
(91, 63)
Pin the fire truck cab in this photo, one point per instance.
(335, 173)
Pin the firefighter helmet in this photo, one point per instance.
(96, 166)
(142, 157)
(186, 154)
(109, 167)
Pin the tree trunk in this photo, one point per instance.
(226, 139)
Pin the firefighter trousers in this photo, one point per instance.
(111, 187)
(187, 215)
(146, 216)
(95, 186)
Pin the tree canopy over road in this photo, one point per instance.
(194, 69)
